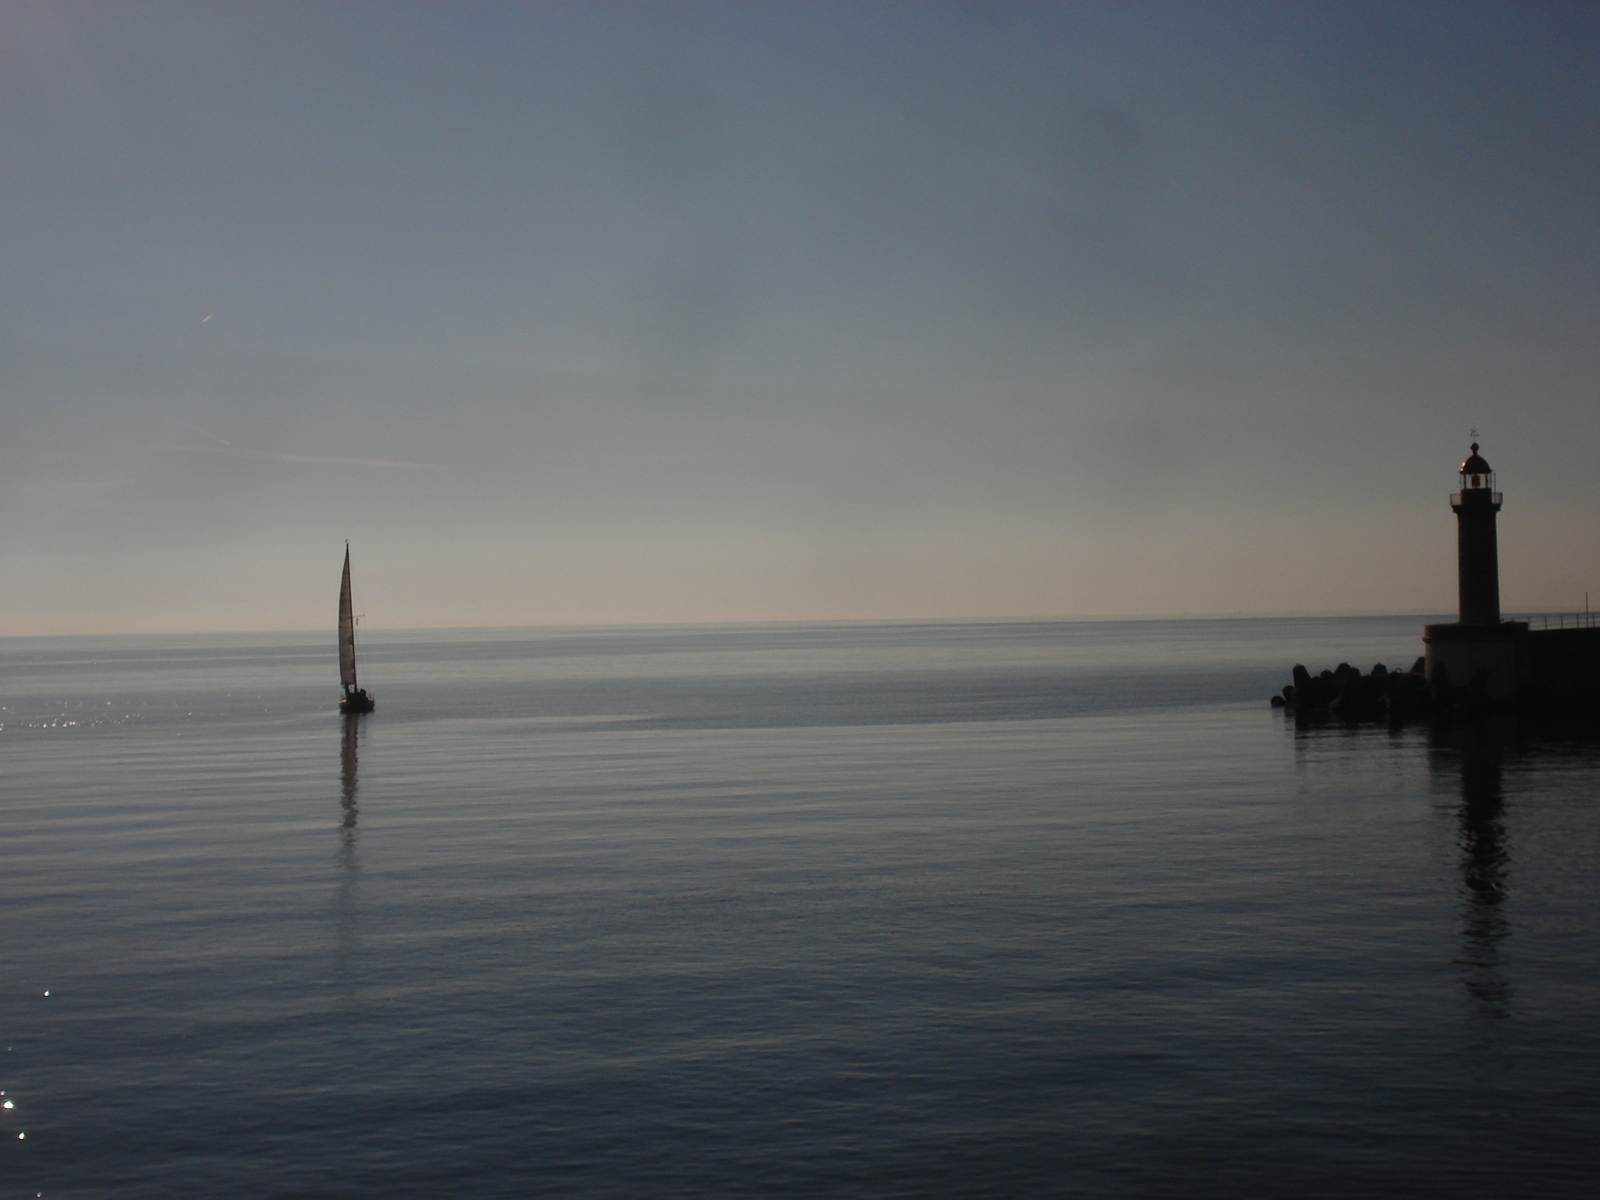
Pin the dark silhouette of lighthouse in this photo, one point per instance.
(1478, 652)
(1477, 556)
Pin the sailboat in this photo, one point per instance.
(355, 699)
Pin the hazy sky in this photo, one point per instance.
(599, 312)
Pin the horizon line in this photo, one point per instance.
(1092, 618)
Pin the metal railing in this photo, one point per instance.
(1578, 620)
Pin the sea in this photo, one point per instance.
(1022, 909)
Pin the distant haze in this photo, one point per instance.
(608, 313)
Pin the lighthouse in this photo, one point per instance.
(1478, 660)
(1479, 650)
(1477, 555)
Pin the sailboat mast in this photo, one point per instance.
(347, 629)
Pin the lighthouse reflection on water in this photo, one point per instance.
(1477, 749)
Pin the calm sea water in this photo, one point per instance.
(840, 910)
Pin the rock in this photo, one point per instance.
(1381, 694)
(1359, 697)
(1406, 695)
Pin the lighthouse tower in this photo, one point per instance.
(1479, 650)
(1477, 556)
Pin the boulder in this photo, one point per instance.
(1359, 697)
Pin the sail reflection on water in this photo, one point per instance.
(348, 777)
(345, 910)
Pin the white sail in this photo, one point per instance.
(347, 629)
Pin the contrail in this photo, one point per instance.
(317, 459)
(226, 447)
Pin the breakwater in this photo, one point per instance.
(1381, 693)
(1554, 669)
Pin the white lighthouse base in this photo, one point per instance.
(1465, 650)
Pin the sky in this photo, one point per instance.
(606, 313)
